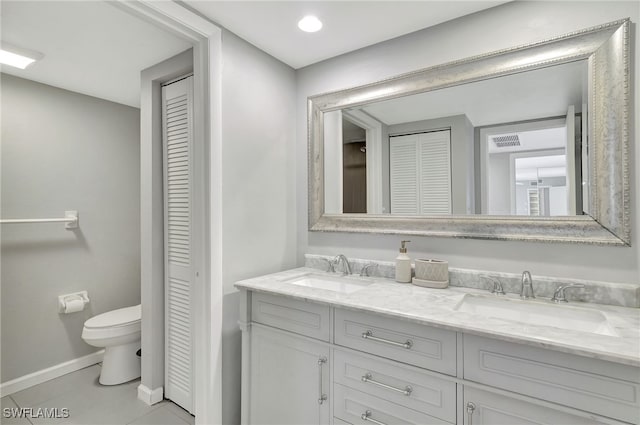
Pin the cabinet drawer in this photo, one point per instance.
(398, 383)
(304, 318)
(359, 408)
(407, 342)
(608, 389)
(485, 408)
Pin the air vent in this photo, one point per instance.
(506, 141)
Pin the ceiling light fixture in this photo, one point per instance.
(310, 24)
(18, 57)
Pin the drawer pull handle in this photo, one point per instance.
(366, 416)
(369, 335)
(406, 390)
(471, 407)
(322, 397)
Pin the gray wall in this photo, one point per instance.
(64, 151)
(462, 156)
(499, 187)
(259, 215)
(524, 22)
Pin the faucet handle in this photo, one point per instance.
(341, 258)
(364, 271)
(330, 266)
(559, 295)
(497, 287)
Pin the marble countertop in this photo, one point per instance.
(437, 308)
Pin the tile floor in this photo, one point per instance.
(91, 403)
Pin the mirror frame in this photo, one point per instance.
(605, 47)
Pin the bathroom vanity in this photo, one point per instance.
(320, 348)
(328, 349)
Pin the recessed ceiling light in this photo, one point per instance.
(17, 57)
(310, 24)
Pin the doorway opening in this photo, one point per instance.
(354, 167)
(535, 168)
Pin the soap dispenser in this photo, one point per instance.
(403, 265)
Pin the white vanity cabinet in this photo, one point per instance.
(289, 379)
(288, 362)
(309, 362)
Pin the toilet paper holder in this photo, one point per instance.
(75, 296)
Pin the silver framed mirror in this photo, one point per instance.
(598, 212)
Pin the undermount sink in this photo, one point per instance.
(537, 313)
(343, 284)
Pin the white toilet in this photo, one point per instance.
(118, 331)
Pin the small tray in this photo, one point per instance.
(430, 283)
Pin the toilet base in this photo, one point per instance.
(120, 364)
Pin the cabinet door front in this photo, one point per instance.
(289, 379)
(486, 408)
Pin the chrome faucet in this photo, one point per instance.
(559, 296)
(346, 268)
(497, 288)
(527, 286)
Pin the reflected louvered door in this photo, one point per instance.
(434, 157)
(403, 172)
(420, 173)
(178, 180)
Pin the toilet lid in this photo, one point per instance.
(122, 316)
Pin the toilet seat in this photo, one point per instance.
(119, 317)
(112, 324)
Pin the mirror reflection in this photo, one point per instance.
(512, 145)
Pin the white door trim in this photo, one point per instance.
(207, 50)
(571, 160)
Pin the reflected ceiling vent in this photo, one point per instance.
(506, 141)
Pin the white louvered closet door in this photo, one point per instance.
(403, 173)
(420, 173)
(177, 123)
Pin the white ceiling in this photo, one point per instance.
(529, 95)
(347, 25)
(534, 140)
(90, 47)
(94, 48)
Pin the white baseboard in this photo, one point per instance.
(44, 375)
(150, 396)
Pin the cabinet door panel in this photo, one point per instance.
(360, 408)
(287, 379)
(492, 409)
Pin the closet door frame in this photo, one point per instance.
(206, 39)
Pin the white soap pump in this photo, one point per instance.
(403, 265)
